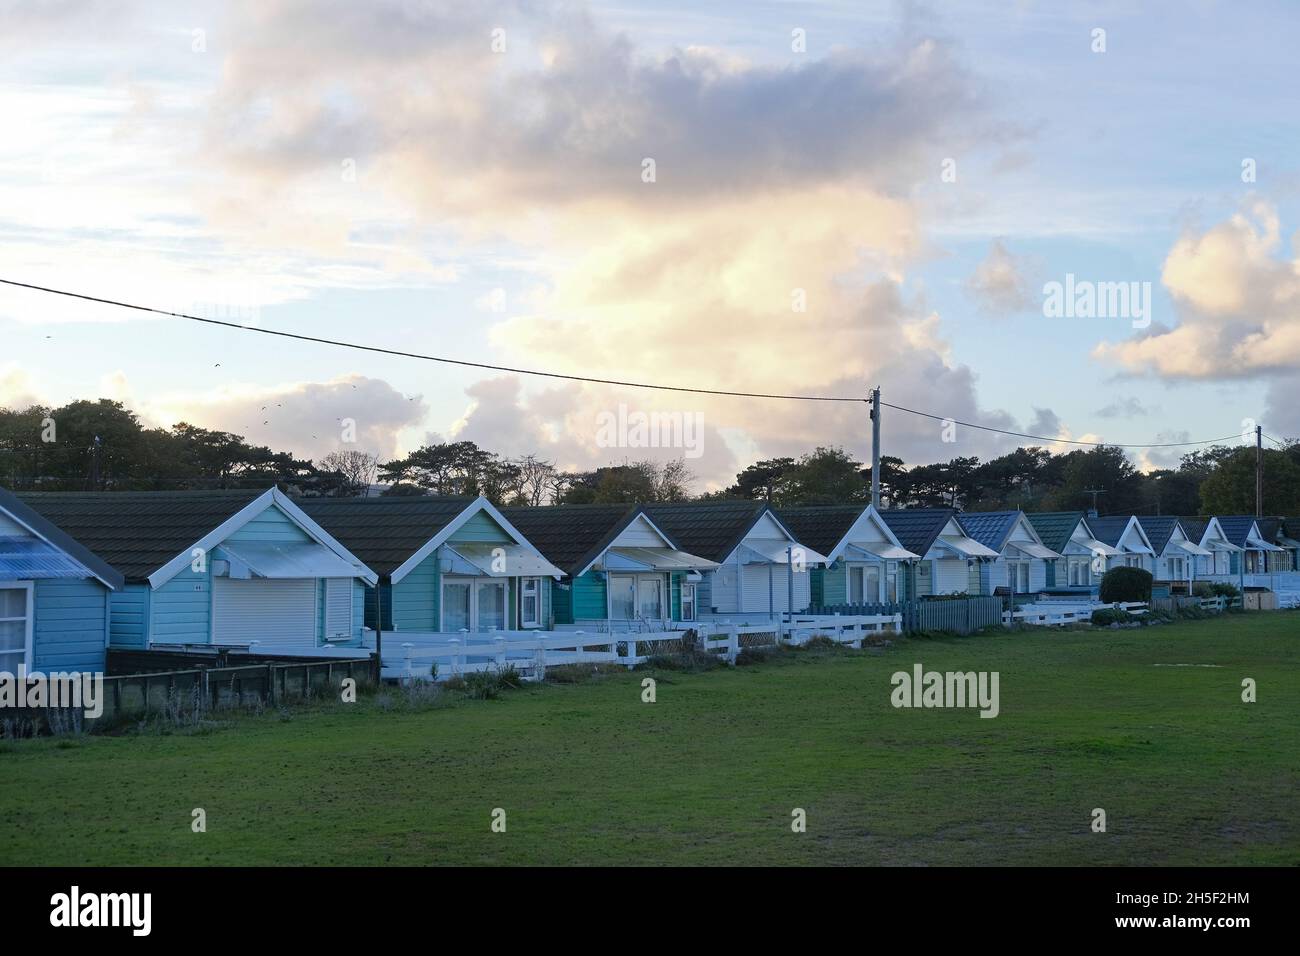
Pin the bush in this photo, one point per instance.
(1104, 617)
(755, 655)
(482, 685)
(1126, 584)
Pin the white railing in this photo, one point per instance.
(409, 655)
(1049, 616)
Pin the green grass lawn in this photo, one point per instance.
(709, 774)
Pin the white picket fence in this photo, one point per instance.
(411, 656)
(1058, 614)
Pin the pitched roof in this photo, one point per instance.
(1159, 529)
(1109, 529)
(917, 528)
(709, 529)
(1291, 528)
(137, 532)
(43, 527)
(571, 536)
(1055, 527)
(1269, 528)
(989, 528)
(383, 532)
(1236, 528)
(821, 527)
(1194, 526)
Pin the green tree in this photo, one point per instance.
(1231, 488)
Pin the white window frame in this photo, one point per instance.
(473, 583)
(688, 588)
(858, 571)
(30, 620)
(665, 598)
(536, 619)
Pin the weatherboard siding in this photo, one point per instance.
(181, 609)
(416, 598)
(835, 585)
(129, 616)
(271, 525)
(70, 626)
(481, 528)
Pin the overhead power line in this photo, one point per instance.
(465, 363)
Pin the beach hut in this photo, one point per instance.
(763, 569)
(1023, 558)
(1082, 559)
(54, 596)
(1224, 557)
(216, 567)
(622, 569)
(1259, 555)
(1175, 551)
(444, 564)
(950, 558)
(867, 563)
(1124, 534)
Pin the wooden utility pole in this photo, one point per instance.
(1259, 471)
(875, 447)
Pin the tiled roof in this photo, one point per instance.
(1269, 528)
(821, 527)
(917, 528)
(137, 532)
(710, 529)
(1055, 527)
(570, 536)
(1236, 528)
(51, 532)
(1158, 528)
(989, 528)
(383, 532)
(1109, 529)
(1194, 527)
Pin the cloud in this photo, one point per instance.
(563, 424)
(1000, 284)
(1128, 407)
(1238, 302)
(17, 389)
(309, 419)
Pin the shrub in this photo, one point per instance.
(755, 655)
(509, 678)
(1126, 584)
(820, 642)
(1103, 617)
(482, 685)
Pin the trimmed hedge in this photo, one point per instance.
(1126, 584)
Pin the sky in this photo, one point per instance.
(795, 198)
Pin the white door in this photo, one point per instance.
(266, 610)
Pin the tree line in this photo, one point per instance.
(102, 445)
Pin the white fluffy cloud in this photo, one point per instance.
(1238, 300)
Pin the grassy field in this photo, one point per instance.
(709, 774)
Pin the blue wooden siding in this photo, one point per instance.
(416, 597)
(360, 593)
(481, 528)
(271, 525)
(70, 627)
(181, 609)
(129, 616)
(675, 590)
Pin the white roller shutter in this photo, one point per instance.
(756, 597)
(338, 607)
(266, 610)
